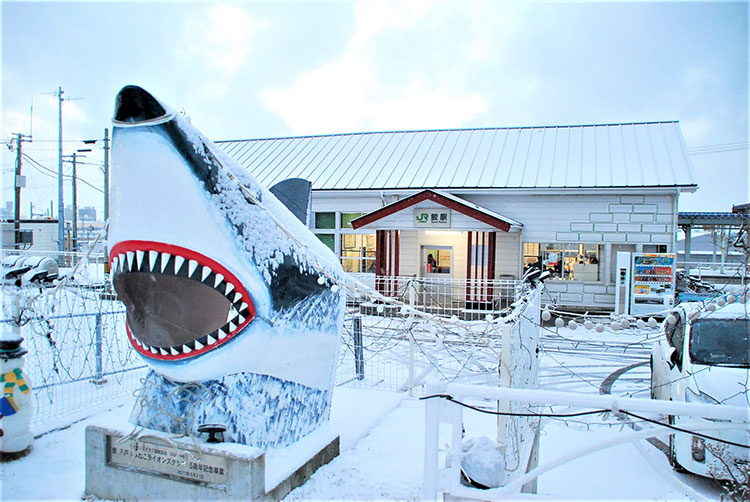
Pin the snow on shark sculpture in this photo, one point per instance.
(229, 297)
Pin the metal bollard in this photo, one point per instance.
(359, 356)
(99, 376)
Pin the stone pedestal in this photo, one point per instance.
(157, 467)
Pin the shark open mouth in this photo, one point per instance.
(180, 304)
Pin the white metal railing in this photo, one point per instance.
(468, 299)
(699, 269)
(438, 411)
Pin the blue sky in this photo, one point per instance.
(264, 69)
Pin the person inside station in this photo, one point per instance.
(431, 264)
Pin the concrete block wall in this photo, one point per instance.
(579, 294)
(627, 218)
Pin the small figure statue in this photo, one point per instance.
(16, 406)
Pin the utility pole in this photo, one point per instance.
(74, 236)
(19, 182)
(106, 174)
(60, 201)
(74, 192)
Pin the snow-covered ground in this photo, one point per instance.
(382, 439)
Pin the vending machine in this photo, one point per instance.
(652, 287)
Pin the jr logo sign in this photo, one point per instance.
(432, 218)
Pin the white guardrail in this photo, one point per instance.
(437, 411)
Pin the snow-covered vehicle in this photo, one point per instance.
(703, 356)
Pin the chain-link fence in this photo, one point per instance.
(80, 360)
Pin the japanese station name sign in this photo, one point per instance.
(432, 218)
(168, 461)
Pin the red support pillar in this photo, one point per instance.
(482, 264)
(379, 259)
(491, 262)
(468, 266)
(396, 259)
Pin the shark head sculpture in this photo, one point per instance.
(218, 277)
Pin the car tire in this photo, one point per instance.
(672, 456)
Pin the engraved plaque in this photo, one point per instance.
(163, 459)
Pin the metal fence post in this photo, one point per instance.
(359, 357)
(99, 376)
(412, 302)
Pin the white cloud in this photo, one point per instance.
(419, 107)
(376, 16)
(698, 129)
(347, 93)
(218, 43)
(45, 119)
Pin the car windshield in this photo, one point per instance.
(720, 342)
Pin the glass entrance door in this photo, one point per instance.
(437, 261)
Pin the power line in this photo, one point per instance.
(719, 148)
(49, 172)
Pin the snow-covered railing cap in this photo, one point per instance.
(136, 107)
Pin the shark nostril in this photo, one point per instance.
(134, 105)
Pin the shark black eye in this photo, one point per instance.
(289, 285)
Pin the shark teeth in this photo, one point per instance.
(171, 264)
(192, 265)
(164, 260)
(157, 262)
(152, 257)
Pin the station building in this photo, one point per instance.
(488, 203)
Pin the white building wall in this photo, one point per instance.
(617, 221)
(587, 218)
(508, 254)
(44, 235)
(507, 259)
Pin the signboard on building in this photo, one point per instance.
(432, 218)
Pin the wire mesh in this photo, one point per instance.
(80, 360)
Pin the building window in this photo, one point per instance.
(346, 219)
(329, 240)
(358, 252)
(326, 221)
(569, 261)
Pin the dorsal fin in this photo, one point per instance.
(296, 195)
